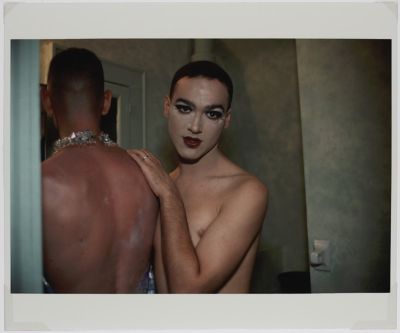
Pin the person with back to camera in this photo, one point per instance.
(211, 210)
(99, 213)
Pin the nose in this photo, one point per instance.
(195, 125)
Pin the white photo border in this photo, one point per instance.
(53, 20)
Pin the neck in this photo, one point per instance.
(67, 130)
(78, 119)
(82, 138)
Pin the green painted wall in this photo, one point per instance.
(346, 120)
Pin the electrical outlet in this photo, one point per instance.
(320, 256)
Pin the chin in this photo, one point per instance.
(189, 158)
(188, 155)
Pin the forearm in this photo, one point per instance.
(179, 258)
(179, 255)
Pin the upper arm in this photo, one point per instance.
(231, 234)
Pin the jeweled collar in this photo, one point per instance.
(82, 138)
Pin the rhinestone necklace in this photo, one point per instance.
(83, 138)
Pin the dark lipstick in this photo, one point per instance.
(191, 142)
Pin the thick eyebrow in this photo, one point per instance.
(208, 107)
(182, 100)
(215, 106)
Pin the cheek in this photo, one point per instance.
(174, 125)
(178, 121)
(215, 130)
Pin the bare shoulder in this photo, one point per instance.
(94, 173)
(243, 183)
(248, 187)
(48, 165)
(56, 186)
(245, 200)
(77, 168)
(245, 197)
(54, 170)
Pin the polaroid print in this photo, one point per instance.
(313, 117)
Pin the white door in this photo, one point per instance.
(119, 116)
(127, 86)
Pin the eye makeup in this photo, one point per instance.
(183, 105)
(214, 115)
(212, 112)
(215, 112)
(183, 108)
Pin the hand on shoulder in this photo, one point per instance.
(158, 179)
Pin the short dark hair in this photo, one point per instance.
(76, 64)
(207, 69)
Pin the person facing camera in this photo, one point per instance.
(211, 210)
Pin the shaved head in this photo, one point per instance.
(75, 77)
(207, 69)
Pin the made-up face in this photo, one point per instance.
(197, 114)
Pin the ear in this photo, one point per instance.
(47, 105)
(167, 106)
(46, 101)
(228, 117)
(106, 102)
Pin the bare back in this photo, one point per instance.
(99, 216)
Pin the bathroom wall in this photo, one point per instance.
(265, 139)
(346, 123)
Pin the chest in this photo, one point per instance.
(203, 203)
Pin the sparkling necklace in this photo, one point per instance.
(83, 138)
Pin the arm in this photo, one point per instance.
(222, 247)
(163, 186)
(159, 271)
(208, 266)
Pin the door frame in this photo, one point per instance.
(25, 227)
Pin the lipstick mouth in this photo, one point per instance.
(191, 142)
(191, 139)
